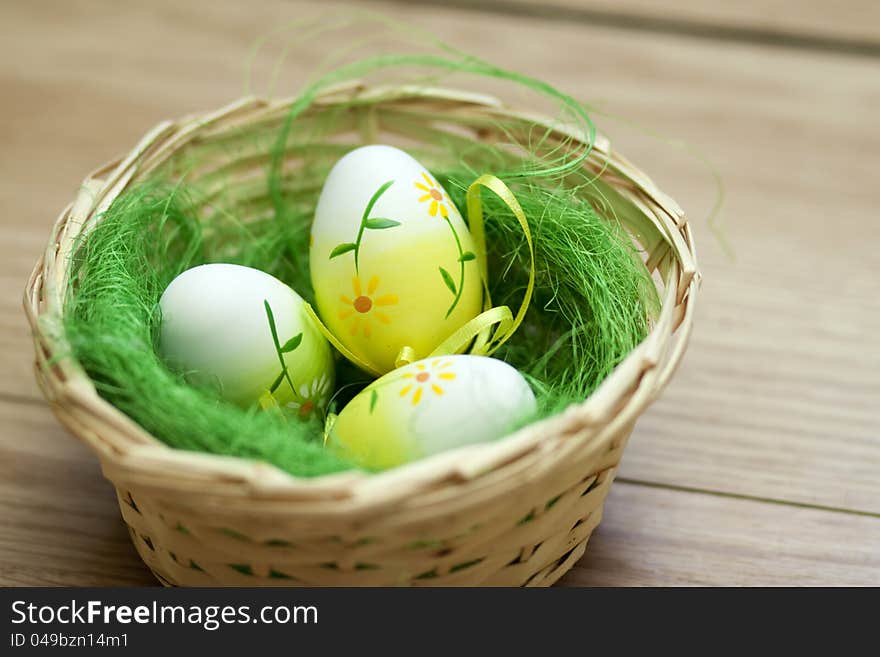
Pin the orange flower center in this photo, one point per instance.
(363, 304)
(421, 377)
(306, 408)
(436, 195)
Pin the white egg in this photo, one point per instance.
(431, 406)
(216, 329)
(400, 272)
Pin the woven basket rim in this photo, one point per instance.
(127, 452)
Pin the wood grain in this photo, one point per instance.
(61, 524)
(656, 537)
(777, 396)
(853, 20)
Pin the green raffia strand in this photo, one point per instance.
(592, 305)
(146, 238)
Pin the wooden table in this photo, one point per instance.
(760, 464)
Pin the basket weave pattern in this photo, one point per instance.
(515, 512)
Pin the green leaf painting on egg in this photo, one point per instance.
(345, 247)
(307, 397)
(437, 204)
(304, 397)
(292, 344)
(280, 350)
(378, 223)
(277, 382)
(367, 223)
(447, 279)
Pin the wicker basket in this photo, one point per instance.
(515, 512)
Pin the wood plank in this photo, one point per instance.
(61, 522)
(656, 537)
(776, 397)
(852, 20)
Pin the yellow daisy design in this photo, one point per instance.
(427, 378)
(433, 194)
(365, 305)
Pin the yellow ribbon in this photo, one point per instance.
(267, 401)
(405, 356)
(479, 329)
(500, 317)
(488, 342)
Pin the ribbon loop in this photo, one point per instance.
(487, 341)
(457, 343)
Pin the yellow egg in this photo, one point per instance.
(392, 260)
(428, 407)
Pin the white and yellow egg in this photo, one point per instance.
(430, 406)
(392, 261)
(233, 327)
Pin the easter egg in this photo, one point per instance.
(392, 261)
(430, 406)
(232, 326)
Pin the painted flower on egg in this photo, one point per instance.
(437, 197)
(427, 377)
(312, 397)
(365, 305)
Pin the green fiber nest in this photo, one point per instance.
(593, 299)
